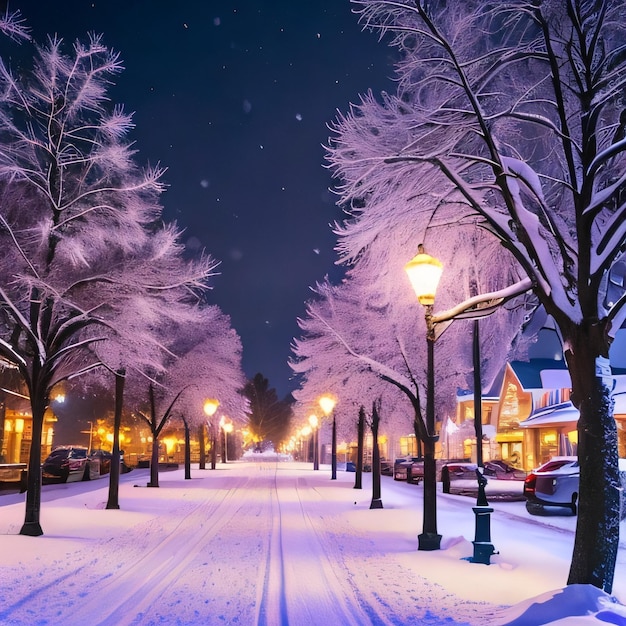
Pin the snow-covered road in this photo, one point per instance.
(264, 544)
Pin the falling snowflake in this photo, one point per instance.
(316, 250)
(217, 21)
(299, 117)
(204, 183)
(247, 106)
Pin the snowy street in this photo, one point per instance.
(268, 543)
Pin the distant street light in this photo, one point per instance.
(210, 407)
(314, 422)
(327, 404)
(227, 427)
(424, 272)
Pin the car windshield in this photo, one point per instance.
(79, 454)
(59, 454)
(550, 466)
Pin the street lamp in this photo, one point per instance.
(313, 422)
(227, 427)
(327, 404)
(424, 272)
(210, 407)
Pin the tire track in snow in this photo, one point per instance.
(272, 605)
(158, 568)
(303, 579)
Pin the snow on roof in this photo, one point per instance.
(566, 412)
(530, 373)
(556, 414)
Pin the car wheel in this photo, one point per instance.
(534, 508)
(574, 507)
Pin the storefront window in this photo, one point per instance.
(548, 444)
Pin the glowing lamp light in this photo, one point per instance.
(313, 421)
(210, 406)
(424, 272)
(226, 425)
(19, 425)
(327, 403)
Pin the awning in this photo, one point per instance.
(564, 413)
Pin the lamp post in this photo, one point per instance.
(327, 404)
(424, 272)
(304, 433)
(313, 421)
(210, 407)
(227, 427)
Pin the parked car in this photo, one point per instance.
(411, 470)
(104, 458)
(501, 470)
(69, 464)
(553, 484)
(400, 468)
(386, 468)
(496, 469)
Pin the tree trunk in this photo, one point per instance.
(154, 462)
(376, 503)
(597, 529)
(3, 400)
(201, 442)
(213, 447)
(31, 526)
(358, 478)
(187, 451)
(333, 453)
(114, 476)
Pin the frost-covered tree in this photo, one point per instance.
(337, 356)
(374, 337)
(203, 361)
(84, 254)
(509, 117)
(324, 364)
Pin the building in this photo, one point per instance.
(16, 430)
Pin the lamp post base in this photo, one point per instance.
(376, 503)
(429, 541)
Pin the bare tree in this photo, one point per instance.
(83, 245)
(509, 116)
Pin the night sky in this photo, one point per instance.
(234, 99)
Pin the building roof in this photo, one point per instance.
(529, 372)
